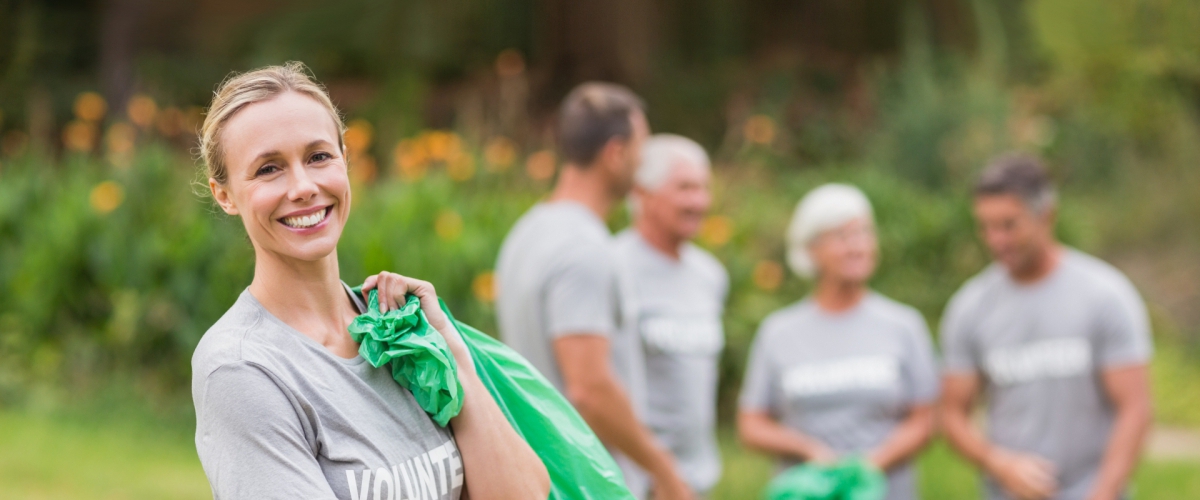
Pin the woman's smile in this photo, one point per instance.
(307, 220)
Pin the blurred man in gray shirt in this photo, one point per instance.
(1056, 341)
(559, 297)
(679, 291)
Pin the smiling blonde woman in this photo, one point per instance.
(285, 406)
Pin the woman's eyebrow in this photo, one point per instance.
(274, 153)
(267, 154)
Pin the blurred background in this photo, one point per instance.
(112, 266)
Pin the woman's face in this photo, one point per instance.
(287, 177)
(847, 253)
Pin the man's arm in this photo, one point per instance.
(757, 430)
(593, 389)
(1029, 477)
(1128, 388)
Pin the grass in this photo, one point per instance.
(59, 457)
(117, 447)
(50, 457)
(943, 476)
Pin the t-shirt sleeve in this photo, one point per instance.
(921, 365)
(580, 297)
(1123, 329)
(958, 353)
(250, 439)
(758, 393)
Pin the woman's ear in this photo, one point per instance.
(221, 194)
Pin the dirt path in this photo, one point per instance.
(1173, 443)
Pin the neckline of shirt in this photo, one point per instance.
(844, 315)
(356, 361)
(684, 249)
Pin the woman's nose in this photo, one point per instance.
(300, 184)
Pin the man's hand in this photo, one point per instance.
(1029, 477)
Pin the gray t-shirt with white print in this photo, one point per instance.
(556, 275)
(680, 303)
(1040, 350)
(846, 379)
(279, 416)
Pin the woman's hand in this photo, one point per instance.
(393, 290)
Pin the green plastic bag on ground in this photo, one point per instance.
(851, 479)
(579, 466)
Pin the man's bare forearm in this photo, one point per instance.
(1130, 392)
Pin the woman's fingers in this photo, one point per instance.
(392, 289)
(370, 282)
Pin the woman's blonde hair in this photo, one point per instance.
(241, 90)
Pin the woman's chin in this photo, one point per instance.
(310, 250)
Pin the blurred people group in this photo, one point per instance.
(1053, 344)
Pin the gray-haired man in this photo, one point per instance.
(559, 297)
(1057, 340)
(679, 290)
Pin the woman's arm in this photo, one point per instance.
(497, 462)
(759, 431)
(906, 439)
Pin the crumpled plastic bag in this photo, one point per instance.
(850, 479)
(421, 360)
(580, 467)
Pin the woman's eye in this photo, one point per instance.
(317, 157)
(266, 169)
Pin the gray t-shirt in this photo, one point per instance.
(557, 275)
(846, 379)
(1040, 349)
(680, 303)
(279, 416)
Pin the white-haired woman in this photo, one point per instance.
(845, 371)
(285, 406)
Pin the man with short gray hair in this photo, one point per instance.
(679, 290)
(559, 298)
(1056, 340)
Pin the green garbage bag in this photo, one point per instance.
(850, 479)
(579, 466)
(421, 360)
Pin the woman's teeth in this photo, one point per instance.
(304, 221)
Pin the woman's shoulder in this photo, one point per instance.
(892, 312)
(237, 337)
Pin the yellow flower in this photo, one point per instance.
(441, 146)
(106, 197)
(759, 129)
(461, 168)
(358, 136)
(171, 122)
(362, 169)
(410, 160)
(80, 136)
(448, 226)
(500, 154)
(120, 137)
(716, 231)
(540, 165)
(141, 110)
(484, 287)
(90, 107)
(768, 275)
